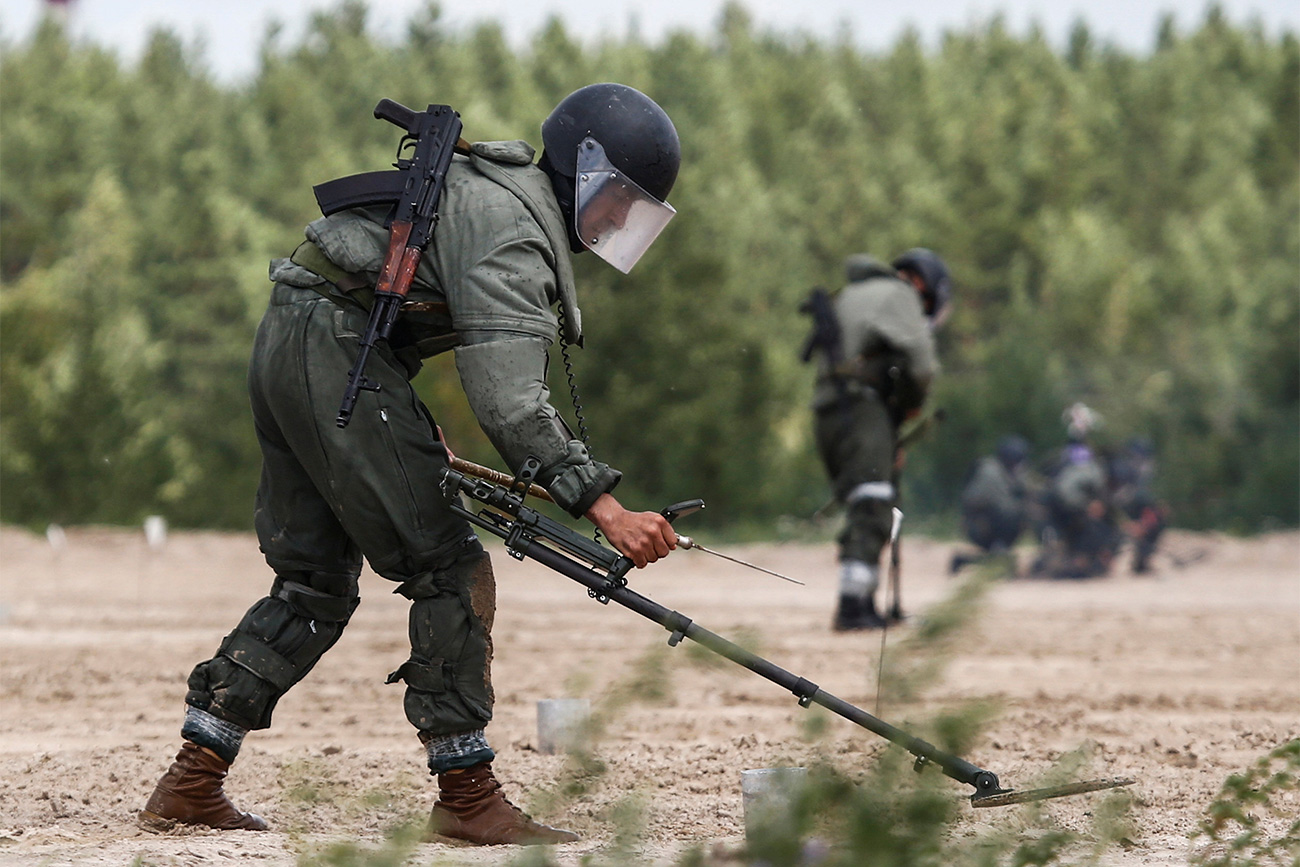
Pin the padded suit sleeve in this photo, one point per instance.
(504, 378)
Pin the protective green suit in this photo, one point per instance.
(993, 504)
(888, 363)
(1080, 539)
(498, 262)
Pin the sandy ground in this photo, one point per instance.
(1176, 680)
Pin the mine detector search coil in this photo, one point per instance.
(415, 188)
(604, 573)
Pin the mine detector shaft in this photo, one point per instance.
(603, 571)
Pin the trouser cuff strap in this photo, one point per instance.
(205, 730)
(453, 752)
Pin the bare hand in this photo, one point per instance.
(643, 537)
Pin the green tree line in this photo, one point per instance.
(1123, 228)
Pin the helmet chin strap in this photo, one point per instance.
(565, 189)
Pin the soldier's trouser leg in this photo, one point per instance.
(979, 527)
(995, 531)
(449, 673)
(282, 636)
(1151, 524)
(278, 641)
(327, 496)
(856, 442)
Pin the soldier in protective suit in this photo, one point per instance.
(498, 263)
(1132, 475)
(993, 504)
(877, 360)
(1080, 537)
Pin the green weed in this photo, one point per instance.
(399, 844)
(1233, 832)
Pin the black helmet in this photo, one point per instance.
(1012, 450)
(597, 140)
(934, 274)
(636, 134)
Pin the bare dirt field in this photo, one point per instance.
(1176, 680)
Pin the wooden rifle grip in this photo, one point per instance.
(396, 266)
(406, 272)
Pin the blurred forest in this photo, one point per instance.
(1123, 229)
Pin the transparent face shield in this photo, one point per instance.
(614, 218)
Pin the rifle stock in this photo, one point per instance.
(479, 471)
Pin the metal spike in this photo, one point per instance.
(688, 543)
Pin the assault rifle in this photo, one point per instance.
(431, 135)
(825, 334)
(604, 573)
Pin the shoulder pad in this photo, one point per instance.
(861, 266)
(517, 153)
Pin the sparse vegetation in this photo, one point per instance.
(847, 817)
(1255, 820)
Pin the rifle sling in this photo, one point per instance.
(311, 257)
(357, 287)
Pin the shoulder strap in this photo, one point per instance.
(311, 257)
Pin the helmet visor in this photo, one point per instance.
(614, 218)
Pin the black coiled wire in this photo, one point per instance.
(573, 393)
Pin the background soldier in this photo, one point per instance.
(993, 503)
(329, 496)
(1080, 538)
(877, 360)
(1132, 474)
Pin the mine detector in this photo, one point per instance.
(603, 571)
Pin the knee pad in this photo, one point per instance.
(448, 675)
(277, 642)
(318, 596)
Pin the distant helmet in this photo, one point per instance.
(934, 274)
(1080, 421)
(612, 155)
(1140, 446)
(1012, 450)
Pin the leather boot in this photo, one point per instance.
(853, 614)
(190, 794)
(471, 806)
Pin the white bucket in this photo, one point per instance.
(155, 531)
(562, 724)
(769, 794)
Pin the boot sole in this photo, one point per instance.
(153, 823)
(431, 836)
(439, 837)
